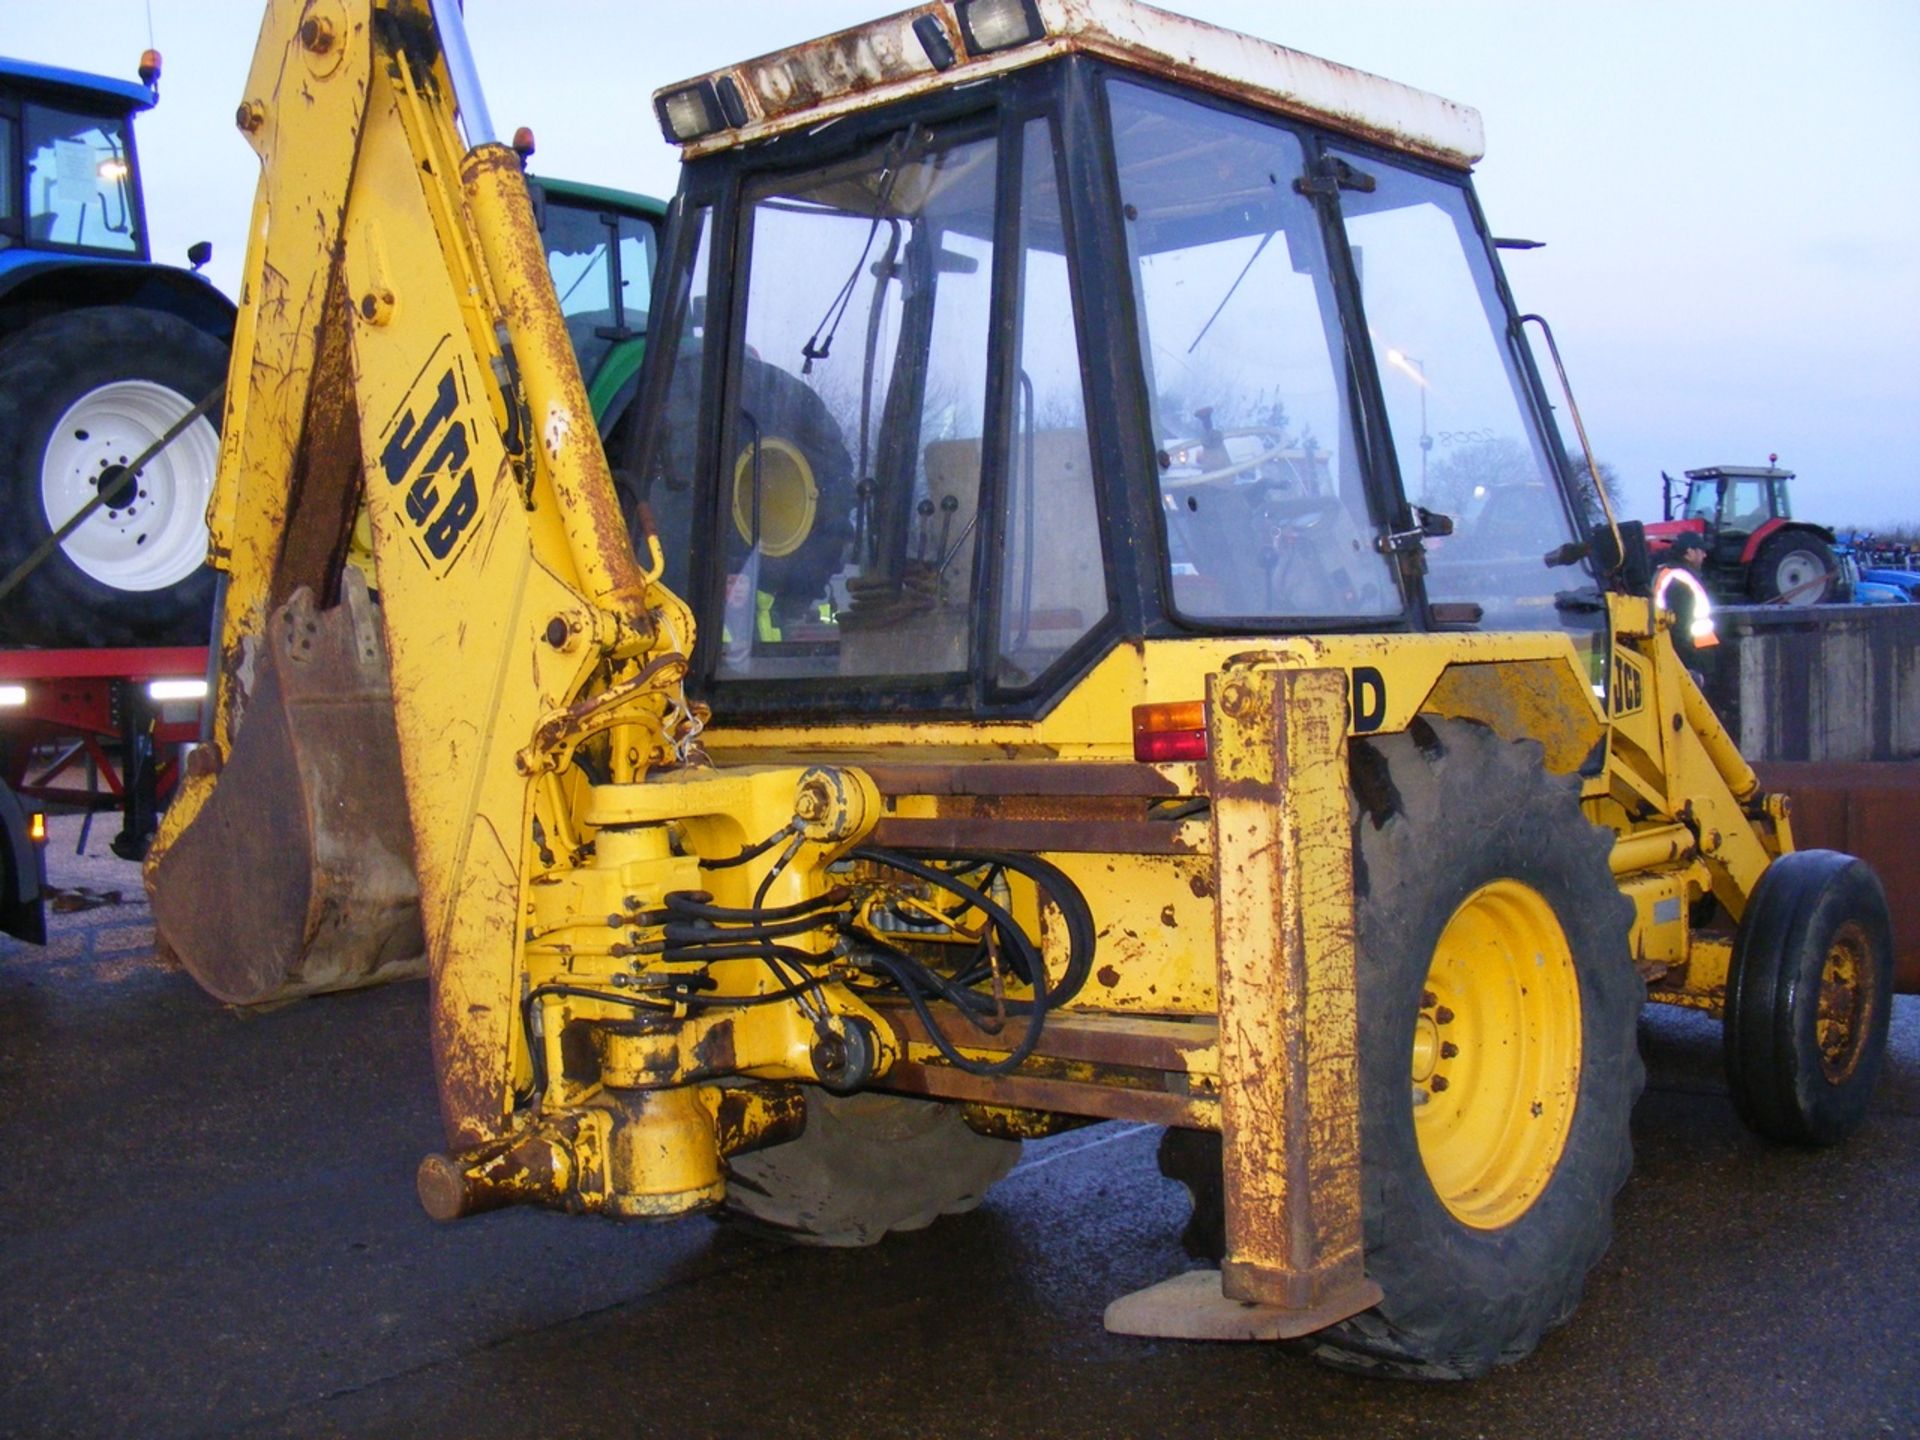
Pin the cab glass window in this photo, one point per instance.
(671, 442)
(1747, 504)
(9, 181)
(79, 180)
(850, 466)
(637, 241)
(1466, 442)
(1053, 586)
(1260, 476)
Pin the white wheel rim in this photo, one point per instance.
(160, 537)
(1797, 568)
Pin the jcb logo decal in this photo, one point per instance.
(1629, 692)
(425, 457)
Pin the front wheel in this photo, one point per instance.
(81, 396)
(1809, 998)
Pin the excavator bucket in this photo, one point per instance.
(297, 876)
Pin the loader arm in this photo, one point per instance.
(406, 420)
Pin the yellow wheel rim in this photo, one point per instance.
(788, 497)
(1842, 1004)
(1496, 1055)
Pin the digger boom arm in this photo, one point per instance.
(401, 369)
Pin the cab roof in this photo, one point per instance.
(1740, 472)
(123, 94)
(887, 60)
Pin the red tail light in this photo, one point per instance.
(1176, 731)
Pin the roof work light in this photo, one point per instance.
(990, 25)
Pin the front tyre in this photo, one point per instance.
(82, 395)
(1809, 998)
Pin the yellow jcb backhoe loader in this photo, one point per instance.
(1106, 636)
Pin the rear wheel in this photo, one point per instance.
(865, 1166)
(1809, 998)
(1498, 1059)
(1797, 568)
(81, 396)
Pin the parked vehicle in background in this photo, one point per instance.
(1888, 570)
(600, 246)
(102, 351)
(1742, 516)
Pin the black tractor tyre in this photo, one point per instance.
(1809, 998)
(1789, 560)
(117, 376)
(1444, 810)
(785, 408)
(865, 1166)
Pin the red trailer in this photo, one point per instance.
(100, 729)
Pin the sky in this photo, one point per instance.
(1729, 190)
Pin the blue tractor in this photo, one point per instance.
(102, 352)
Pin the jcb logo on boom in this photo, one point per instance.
(425, 457)
(1629, 687)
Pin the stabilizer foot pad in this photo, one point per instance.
(1193, 1307)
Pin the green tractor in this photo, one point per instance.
(601, 245)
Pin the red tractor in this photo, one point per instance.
(1755, 549)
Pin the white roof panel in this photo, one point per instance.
(883, 60)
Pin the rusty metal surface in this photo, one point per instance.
(297, 876)
(1873, 811)
(324, 487)
(1166, 1045)
(882, 61)
(1194, 1306)
(1288, 1023)
(1069, 1097)
(1022, 777)
(1121, 837)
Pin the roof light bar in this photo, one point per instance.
(992, 25)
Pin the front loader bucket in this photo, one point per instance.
(297, 874)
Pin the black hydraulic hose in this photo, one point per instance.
(1006, 1065)
(749, 853)
(754, 950)
(1053, 883)
(681, 902)
(678, 936)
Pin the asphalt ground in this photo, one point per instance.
(207, 1226)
